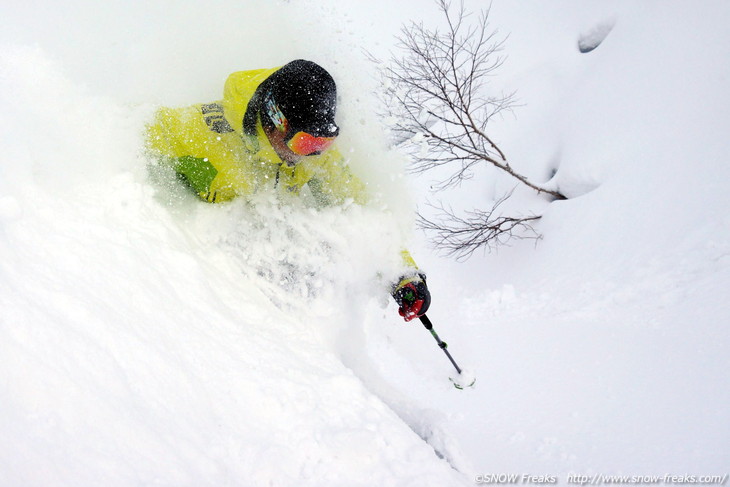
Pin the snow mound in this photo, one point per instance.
(593, 38)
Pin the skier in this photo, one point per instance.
(274, 130)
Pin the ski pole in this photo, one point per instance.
(442, 344)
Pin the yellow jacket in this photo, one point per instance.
(206, 144)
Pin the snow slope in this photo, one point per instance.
(149, 339)
(603, 347)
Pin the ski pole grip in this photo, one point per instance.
(426, 322)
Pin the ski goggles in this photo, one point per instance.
(301, 143)
(306, 144)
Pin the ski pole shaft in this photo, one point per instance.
(442, 344)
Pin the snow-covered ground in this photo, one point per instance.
(149, 339)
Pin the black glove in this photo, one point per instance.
(412, 296)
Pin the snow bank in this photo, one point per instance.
(603, 346)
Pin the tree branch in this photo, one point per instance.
(460, 237)
(437, 90)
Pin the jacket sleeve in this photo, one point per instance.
(334, 183)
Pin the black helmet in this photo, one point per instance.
(304, 93)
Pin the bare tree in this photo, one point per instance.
(438, 106)
(460, 237)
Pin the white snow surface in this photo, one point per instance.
(147, 338)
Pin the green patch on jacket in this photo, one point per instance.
(196, 171)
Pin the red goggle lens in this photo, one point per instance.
(306, 144)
